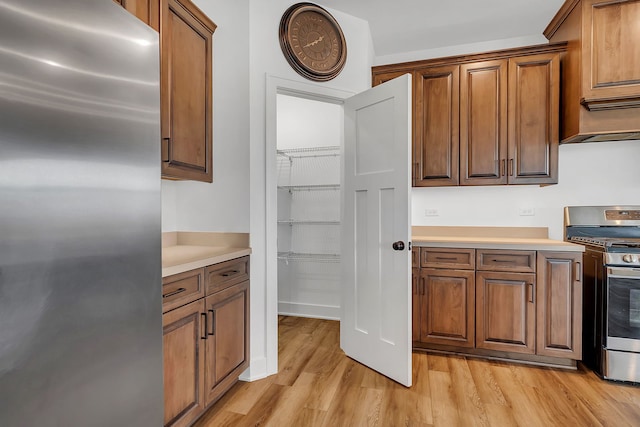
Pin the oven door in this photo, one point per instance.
(623, 309)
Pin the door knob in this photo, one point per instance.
(398, 246)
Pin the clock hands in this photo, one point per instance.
(315, 42)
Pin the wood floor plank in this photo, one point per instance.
(488, 388)
(470, 407)
(443, 400)
(327, 387)
(367, 410)
(438, 362)
(345, 400)
(318, 385)
(518, 397)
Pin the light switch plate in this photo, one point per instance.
(527, 212)
(431, 212)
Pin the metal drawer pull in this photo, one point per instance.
(531, 295)
(446, 259)
(506, 261)
(204, 337)
(229, 273)
(213, 323)
(176, 292)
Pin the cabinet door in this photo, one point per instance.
(227, 338)
(559, 308)
(145, 10)
(505, 311)
(185, 92)
(534, 103)
(379, 78)
(447, 308)
(184, 354)
(415, 304)
(483, 123)
(436, 148)
(610, 54)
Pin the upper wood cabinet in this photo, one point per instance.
(483, 123)
(146, 10)
(485, 119)
(533, 119)
(185, 95)
(600, 73)
(436, 124)
(186, 105)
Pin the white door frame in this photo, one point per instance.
(277, 85)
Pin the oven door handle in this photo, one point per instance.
(623, 272)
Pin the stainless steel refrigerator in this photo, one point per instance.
(80, 238)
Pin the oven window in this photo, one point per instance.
(634, 308)
(623, 314)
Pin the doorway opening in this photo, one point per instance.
(320, 94)
(309, 138)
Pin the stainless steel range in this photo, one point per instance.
(611, 300)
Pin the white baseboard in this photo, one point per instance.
(316, 311)
(257, 370)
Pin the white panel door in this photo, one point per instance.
(375, 327)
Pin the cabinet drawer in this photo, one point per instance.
(459, 259)
(182, 288)
(225, 274)
(506, 260)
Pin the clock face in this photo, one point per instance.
(312, 42)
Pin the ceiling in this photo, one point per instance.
(399, 26)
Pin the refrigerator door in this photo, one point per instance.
(80, 281)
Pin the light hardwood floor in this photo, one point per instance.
(317, 385)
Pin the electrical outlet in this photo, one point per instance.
(527, 212)
(431, 212)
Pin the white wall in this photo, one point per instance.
(597, 173)
(224, 204)
(267, 59)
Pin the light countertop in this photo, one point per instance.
(522, 238)
(184, 251)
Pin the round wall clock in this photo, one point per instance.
(312, 42)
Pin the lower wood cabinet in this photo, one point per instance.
(227, 343)
(447, 307)
(184, 363)
(501, 303)
(505, 312)
(559, 309)
(206, 343)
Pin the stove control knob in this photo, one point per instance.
(628, 258)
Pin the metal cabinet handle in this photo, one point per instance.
(502, 169)
(510, 167)
(398, 246)
(422, 286)
(506, 261)
(165, 149)
(229, 273)
(577, 272)
(176, 292)
(531, 293)
(204, 322)
(213, 322)
(442, 258)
